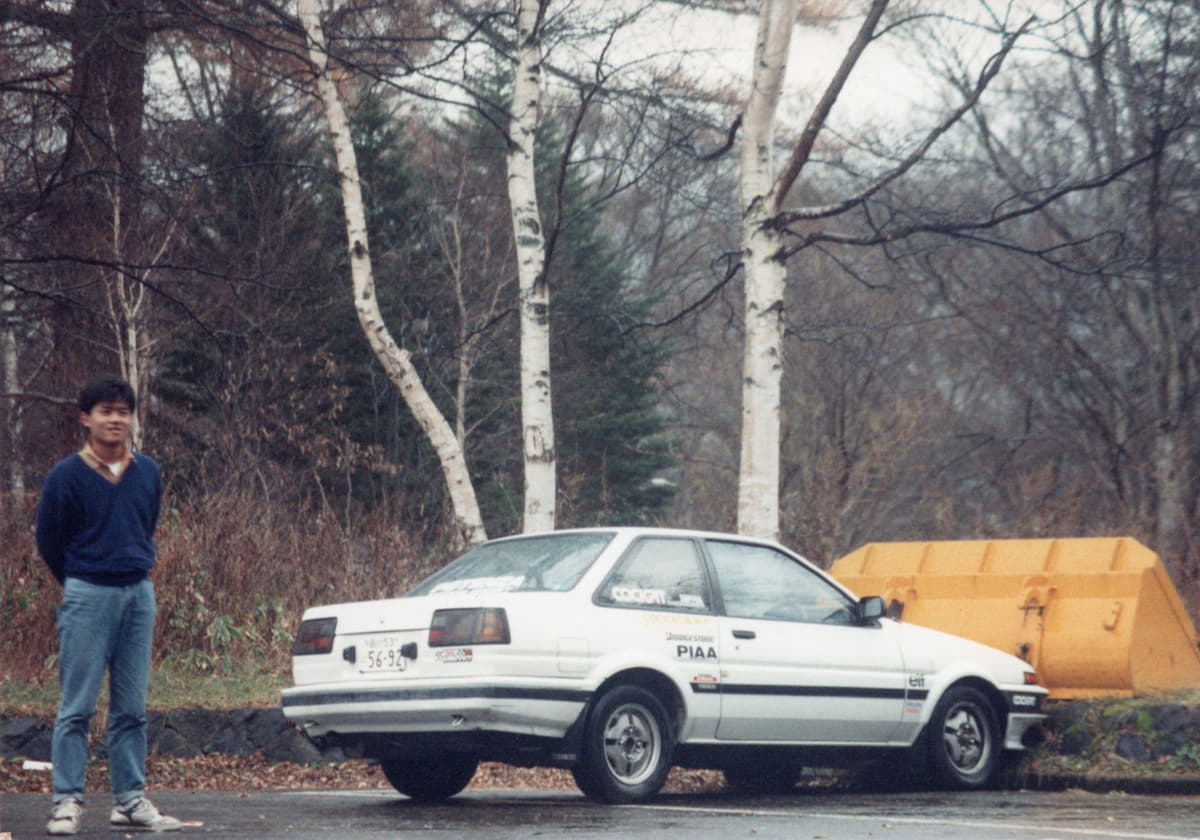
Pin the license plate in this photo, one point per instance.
(382, 653)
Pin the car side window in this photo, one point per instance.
(661, 574)
(759, 582)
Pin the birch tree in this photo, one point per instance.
(537, 418)
(762, 193)
(396, 360)
(10, 323)
(774, 230)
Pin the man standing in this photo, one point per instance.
(95, 530)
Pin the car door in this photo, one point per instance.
(657, 608)
(795, 666)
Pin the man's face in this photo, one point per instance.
(107, 423)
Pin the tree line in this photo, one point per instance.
(763, 311)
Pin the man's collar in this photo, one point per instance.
(103, 467)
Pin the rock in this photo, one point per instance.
(1129, 719)
(156, 722)
(1063, 716)
(199, 729)
(185, 733)
(175, 745)
(38, 746)
(25, 737)
(1075, 742)
(1113, 720)
(266, 726)
(238, 738)
(232, 740)
(1133, 747)
(1171, 718)
(1170, 745)
(292, 745)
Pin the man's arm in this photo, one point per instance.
(51, 529)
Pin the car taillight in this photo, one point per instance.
(479, 626)
(315, 636)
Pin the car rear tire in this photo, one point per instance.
(627, 747)
(963, 740)
(430, 779)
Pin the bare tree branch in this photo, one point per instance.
(964, 229)
(989, 72)
(816, 122)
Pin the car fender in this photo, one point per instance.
(661, 674)
(955, 674)
(610, 667)
(935, 661)
(626, 671)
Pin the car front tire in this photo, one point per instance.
(963, 740)
(430, 779)
(627, 747)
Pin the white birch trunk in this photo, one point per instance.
(126, 300)
(128, 304)
(537, 418)
(12, 387)
(1171, 444)
(762, 362)
(396, 361)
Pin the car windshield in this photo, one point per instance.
(550, 562)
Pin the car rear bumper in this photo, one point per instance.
(538, 711)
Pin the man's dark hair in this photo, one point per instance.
(106, 389)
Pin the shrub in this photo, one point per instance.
(234, 574)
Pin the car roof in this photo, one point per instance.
(631, 531)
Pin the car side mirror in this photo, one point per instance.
(869, 610)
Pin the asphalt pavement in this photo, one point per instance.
(549, 815)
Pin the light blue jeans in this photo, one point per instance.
(103, 628)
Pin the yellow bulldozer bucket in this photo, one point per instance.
(1094, 616)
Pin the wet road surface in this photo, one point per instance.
(524, 815)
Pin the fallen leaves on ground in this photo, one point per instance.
(232, 773)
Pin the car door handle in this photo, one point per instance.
(743, 634)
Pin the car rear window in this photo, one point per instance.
(658, 574)
(544, 563)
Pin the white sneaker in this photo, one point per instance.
(141, 815)
(64, 817)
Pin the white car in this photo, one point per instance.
(619, 652)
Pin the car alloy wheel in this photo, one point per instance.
(963, 739)
(627, 751)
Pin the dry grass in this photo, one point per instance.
(232, 579)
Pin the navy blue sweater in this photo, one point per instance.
(90, 528)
